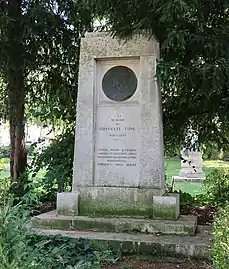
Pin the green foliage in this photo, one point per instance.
(59, 252)
(4, 153)
(5, 184)
(187, 199)
(56, 161)
(22, 249)
(215, 191)
(3, 95)
(13, 253)
(39, 55)
(216, 188)
(220, 244)
(193, 68)
(214, 152)
(50, 35)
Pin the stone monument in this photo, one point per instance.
(192, 162)
(118, 193)
(191, 166)
(119, 157)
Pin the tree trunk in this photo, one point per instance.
(16, 94)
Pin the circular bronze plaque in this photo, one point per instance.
(119, 83)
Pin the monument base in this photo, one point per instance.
(117, 201)
(162, 247)
(189, 179)
(114, 201)
(166, 207)
(184, 225)
(68, 203)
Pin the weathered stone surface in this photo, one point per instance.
(119, 158)
(188, 179)
(114, 201)
(192, 169)
(68, 203)
(166, 206)
(185, 225)
(161, 246)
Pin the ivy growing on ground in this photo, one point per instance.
(21, 248)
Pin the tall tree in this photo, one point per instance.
(193, 69)
(15, 69)
(39, 49)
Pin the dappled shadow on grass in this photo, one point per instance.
(216, 164)
(173, 166)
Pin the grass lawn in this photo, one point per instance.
(172, 168)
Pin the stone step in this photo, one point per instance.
(197, 246)
(185, 225)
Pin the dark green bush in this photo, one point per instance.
(4, 190)
(220, 243)
(187, 199)
(22, 249)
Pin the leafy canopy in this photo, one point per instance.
(194, 67)
(50, 39)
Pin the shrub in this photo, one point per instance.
(4, 151)
(13, 248)
(216, 188)
(22, 249)
(51, 167)
(5, 184)
(187, 199)
(220, 244)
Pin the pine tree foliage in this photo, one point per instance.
(194, 65)
(39, 51)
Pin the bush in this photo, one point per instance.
(13, 247)
(5, 184)
(22, 249)
(187, 199)
(51, 167)
(220, 244)
(216, 188)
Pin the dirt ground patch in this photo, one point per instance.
(204, 215)
(135, 264)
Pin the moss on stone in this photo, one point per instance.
(166, 212)
(105, 207)
(119, 225)
(52, 223)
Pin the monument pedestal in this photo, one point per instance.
(191, 167)
(118, 202)
(198, 178)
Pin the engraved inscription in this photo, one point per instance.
(117, 148)
(117, 157)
